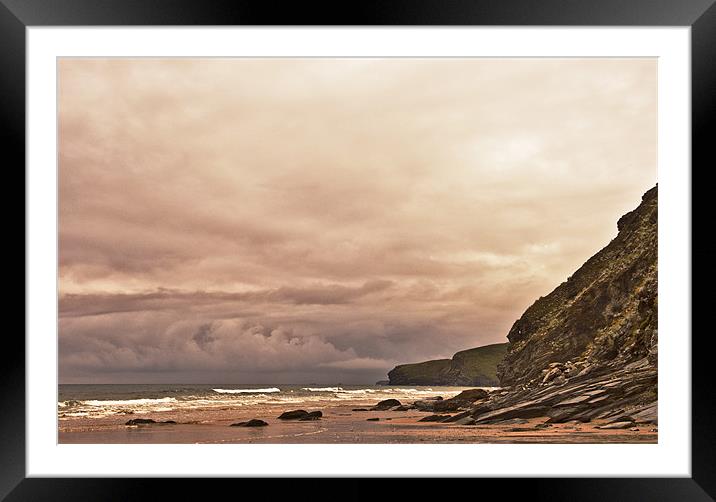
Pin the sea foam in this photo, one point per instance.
(247, 391)
(126, 402)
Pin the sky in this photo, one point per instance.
(322, 220)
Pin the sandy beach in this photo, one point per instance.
(339, 424)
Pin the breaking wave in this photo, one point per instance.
(127, 402)
(247, 391)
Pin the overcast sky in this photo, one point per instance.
(321, 220)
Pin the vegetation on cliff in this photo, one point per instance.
(602, 318)
(472, 367)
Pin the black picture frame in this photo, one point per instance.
(700, 15)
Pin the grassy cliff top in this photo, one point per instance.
(476, 366)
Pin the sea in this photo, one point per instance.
(98, 401)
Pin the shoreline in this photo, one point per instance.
(338, 425)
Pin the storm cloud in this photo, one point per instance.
(321, 220)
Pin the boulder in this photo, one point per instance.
(451, 405)
(254, 422)
(140, 421)
(424, 405)
(465, 421)
(463, 400)
(551, 374)
(471, 395)
(293, 415)
(386, 405)
(147, 421)
(313, 415)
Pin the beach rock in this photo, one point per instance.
(424, 405)
(465, 421)
(551, 374)
(403, 407)
(455, 418)
(620, 418)
(140, 421)
(434, 418)
(293, 415)
(147, 421)
(560, 380)
(450, 405)
(374, 419)
(254, 422)
(313, 415)
(471, 395)
(648, 414)
(360, 409)
(463, 400)
(617, 425)
(386, 405)
(513, 421)
(518, 411)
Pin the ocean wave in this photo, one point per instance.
(127, 402)
(247, 391)
(323, 389)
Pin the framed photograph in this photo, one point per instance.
(415, 240)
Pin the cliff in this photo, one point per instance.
(588, 350)
(472, 367)
(603, 317)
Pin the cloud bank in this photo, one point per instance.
(280, 220)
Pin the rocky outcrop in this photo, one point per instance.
(472, 367)
(626, 394)
(460, 402)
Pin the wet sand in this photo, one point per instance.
(339, 424)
